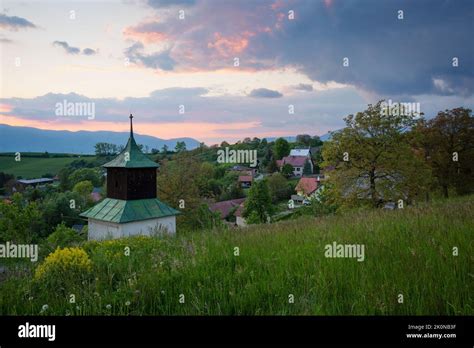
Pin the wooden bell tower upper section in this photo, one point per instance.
(131, 175)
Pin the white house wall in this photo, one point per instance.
(100, 230)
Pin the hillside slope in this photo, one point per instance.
(407, 252)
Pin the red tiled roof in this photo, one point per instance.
(245, 178)
(295, 161)
(307, 185)
(225, 207)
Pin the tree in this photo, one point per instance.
(315, 141)
(105, 149)
(236, 191)
(62, 207)
(282, 148)
(180, 146)
(321, 205)
(258, 205)
(279, 188)
(206, 172)
(4, 178)
(307, 168)
(85, 174)
(287, 170)
(373, 161)
(20, 221)
(180, 188)
(62, 237)
(272, 166)
(303, 139)
(84, 189)
(164, 149)
(447, 144)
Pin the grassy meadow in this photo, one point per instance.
(35, 167)
(408, 252)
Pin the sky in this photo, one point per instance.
(219, 70)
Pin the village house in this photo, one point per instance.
(131, 206)
(307, 188)
(301, 153)
(228, 208)
(22, 184)
(297, 159)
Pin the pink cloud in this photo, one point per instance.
(229, 46)
(145, 37)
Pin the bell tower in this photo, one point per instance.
(131, 206)
(131, 175)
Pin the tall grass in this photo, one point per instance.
(407, 252)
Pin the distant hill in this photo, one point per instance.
(26, 139)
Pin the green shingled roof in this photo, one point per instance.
(131, 157)
(121, 211)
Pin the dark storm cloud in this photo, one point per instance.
(387, 55)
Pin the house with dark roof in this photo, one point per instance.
(22, 184)
(297, 162)
(131, 206)
(231, 207)
(225, 208)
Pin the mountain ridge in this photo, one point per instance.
(30, 139)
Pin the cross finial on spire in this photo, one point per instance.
(131, 125)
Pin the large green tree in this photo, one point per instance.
(20, 221)
(282, 148)
(279, 187)
(447, 143)
(258, 205)
(373, 161)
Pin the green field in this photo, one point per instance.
(35, 167)
(407, 252)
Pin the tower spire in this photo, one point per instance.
(131, 125)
